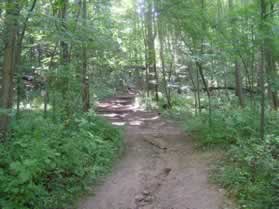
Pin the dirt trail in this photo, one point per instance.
(160, 168)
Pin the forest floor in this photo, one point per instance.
(160, 168)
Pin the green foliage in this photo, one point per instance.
(250, 168)
(181, 107)
(227, 126)
(251, 165)
(251, 173)
(45, 164)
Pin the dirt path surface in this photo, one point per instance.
(160, 168)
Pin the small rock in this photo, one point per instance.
(221, 190)
(146, 193)
(148, 199)
(139, 198)
(167, 171)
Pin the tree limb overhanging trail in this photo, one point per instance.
(159, 169)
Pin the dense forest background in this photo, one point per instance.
(211, 64)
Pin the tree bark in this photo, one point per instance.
(151, 53)
(65, 57)
(6, 102)
(270, 60)
(263, 5)
(85, 78)
(162, 47)
(238, 77)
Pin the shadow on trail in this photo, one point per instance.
(160, 168)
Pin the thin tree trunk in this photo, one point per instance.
(144, 28)
(65, 57)
(46, 96)
(154, 33)
(85, 78)
(162, 46)
(200, 69)
(238, 78)
(151, 48)
(262, 70)
(195, 89)
(238, 84)
(200, 64)
(198, 91)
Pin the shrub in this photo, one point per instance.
(251, 166)
(251, 173)
(45, 164)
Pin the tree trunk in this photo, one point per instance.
(238, 77)
(162, 46)
(238, 84)
(85, 78)
(194, 87)
(270, 61)
(198, 91)
(200, 72)
(65, 56)
(8, 68)
(263, 5)
(151, 53)
(144, 27)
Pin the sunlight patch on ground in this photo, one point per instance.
(119, 123)
(138, 104)
(111, 115)
(136, 123)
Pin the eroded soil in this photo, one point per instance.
(160, 168)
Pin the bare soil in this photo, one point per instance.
(160, 169)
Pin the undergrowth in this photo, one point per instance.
(47, 164)
(250, 169)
